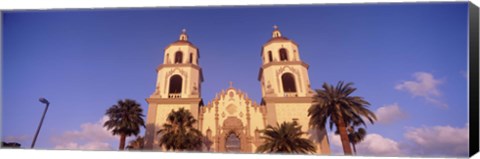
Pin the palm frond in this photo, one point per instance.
(178, 133)
(285, 138)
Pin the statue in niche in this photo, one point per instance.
(168, 59)
(195, 88)
(256, 138)
(207, 140)
(269, 88)
(157, 91)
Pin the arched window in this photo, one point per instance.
(175, 84)
(288, 83)
(191, 57)
(270, 57)
(178, 57)
(283, 54)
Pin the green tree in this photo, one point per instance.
(136, 144)
(356, 136)
(285, 138)
(125, 119)
(179, 134)
(339, 108)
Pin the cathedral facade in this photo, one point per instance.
(231, 122)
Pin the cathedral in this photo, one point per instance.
(231, 122)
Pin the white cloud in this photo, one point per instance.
(389, 113)
(377, 145)
(334, 139)
(439, 140)
(335, 144)
(435, 141)
(91, 136)
(87, 146)
(424, 85)
(17, 139)
(372, 145)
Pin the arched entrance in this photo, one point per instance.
(232, 136)
(232, 143)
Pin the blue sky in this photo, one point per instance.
(408, 60)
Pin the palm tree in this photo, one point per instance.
(178, 132)
(356, 137)
(125, 119)
(136, 144)
(337, 106)
(285, 138)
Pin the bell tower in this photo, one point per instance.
(283, 73)
(285, 86)
(178, 85)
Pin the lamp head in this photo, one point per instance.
(44, 101)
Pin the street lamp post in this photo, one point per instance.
(44, 101)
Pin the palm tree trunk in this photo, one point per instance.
(122, 142)
(343, 135)
(354, 149)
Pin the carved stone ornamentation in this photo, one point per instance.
(232, 123)
(231, 109)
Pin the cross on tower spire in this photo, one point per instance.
(231, 84)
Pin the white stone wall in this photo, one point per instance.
(274, 47)
(190, 78)
(273, 75)
(185, 49)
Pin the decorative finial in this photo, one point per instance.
(183, 36)
(231, 84)
(276, 33)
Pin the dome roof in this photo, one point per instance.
(183, 40)
(277, 37)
